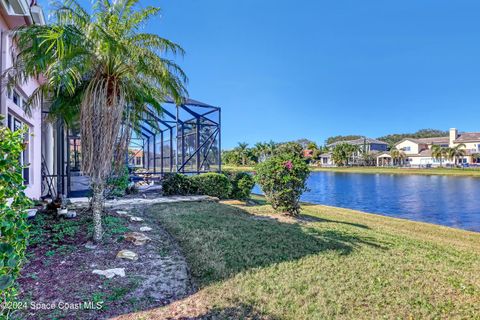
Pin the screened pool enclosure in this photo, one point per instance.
(186, 138)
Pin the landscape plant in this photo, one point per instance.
(343, 152)
(176, 184)
(242, 184)
(13, 217)
(283, 180)
(94, 66)
(212, 184)
(438, 153)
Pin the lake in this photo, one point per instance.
(449, 201)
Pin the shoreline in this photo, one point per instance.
(454, 172)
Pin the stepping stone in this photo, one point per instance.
(145, 229)
(127, 254)
(137, 238)
(110, 273)
(136, 219)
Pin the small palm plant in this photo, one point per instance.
(455, 153)
(438, 153)
(100, 68)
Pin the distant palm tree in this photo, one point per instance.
(438, 153)
(242, 150)
(260, 151)
(397, 156)
(456, 152)
(271, 146)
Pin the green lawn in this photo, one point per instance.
(375, 170)
(251, 263)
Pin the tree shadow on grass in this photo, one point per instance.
(220, 240)
(305, 217)
(242, 311)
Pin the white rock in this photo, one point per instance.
(31, 212)
(90, 246)
(110, 273)
(71, 214)
(127, 254)
(136, 219)
(145, 229)
(122, 213)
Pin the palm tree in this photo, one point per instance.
(260, 151)
(456, 152)
(397, 156)
(100, 67)
(343, 152)
(438, 153)
(243, 151)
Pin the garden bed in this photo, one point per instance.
(57, 281)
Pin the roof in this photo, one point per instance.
(423, 153)
(433, 140)
(358, 142)
(190, 102)
(468, 137)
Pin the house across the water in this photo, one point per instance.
(418, 152)
(365, 146)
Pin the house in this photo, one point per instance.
(365, 145)
(418, 152)
(135, 158)
(13, 14)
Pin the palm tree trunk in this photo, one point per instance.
(97, 209)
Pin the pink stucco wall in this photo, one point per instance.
(34, 121)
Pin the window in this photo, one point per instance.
(406, 149)
(138, 161)
(16, 98)
(15, 124)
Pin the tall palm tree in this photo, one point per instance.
(243, 151)
(438, 153)
(456, 152)
(100, 67)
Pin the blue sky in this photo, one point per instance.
(284, 70)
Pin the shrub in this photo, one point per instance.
(177, 184)
(118, 183)
(212, 184)
(13, 203)
(242, 184)
(283, 180)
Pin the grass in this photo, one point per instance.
(376, 170)
(250, 262)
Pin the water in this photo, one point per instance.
(449, 201)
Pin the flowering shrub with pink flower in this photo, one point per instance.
(283, 180)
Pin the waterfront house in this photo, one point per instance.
(365, 146)
(418, 152)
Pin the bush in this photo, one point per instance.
(174, 184)
(13, 205)
(242, 184)
(118, 183)
(283, 180)
(212, 184)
